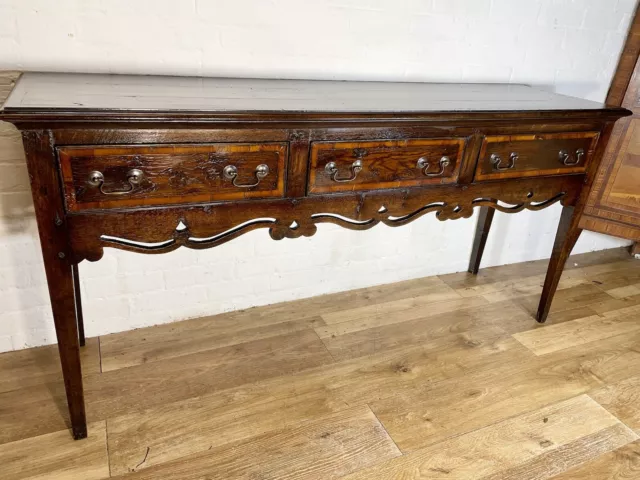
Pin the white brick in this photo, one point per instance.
(33, 338)
(601, 16)
(562, 13)
(8, 25)
(13, 300)
(21, 278)
(476, 9)
(129, 262)
(14, 178)
(14, 206)
(6, 343)
(101, 313)
(161, 301)
(134, 283)
(19, 254)
(107, 266)
(28, 318)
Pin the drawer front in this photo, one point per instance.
(126, 176)
(505, 156)
(349, 166)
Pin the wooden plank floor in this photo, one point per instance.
(441, 377)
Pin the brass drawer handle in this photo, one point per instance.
(497, 160)
(332, 169)
(230, 172)
(566, 156)
(424, 165)
(134, 177)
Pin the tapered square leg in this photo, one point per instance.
(480, 239)
(566, 238)
(78, 302)
(58, 265)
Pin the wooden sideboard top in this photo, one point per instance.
(81, 93)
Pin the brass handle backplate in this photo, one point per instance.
(496, 160)
(565, 157)
(424, 165)
(230, 172)
(332, 169)
(134, 177)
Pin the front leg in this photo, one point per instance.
(61, 292)
(566, 238)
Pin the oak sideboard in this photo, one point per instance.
(151, 164)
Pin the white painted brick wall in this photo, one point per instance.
(570, 46)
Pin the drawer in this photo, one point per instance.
(129, 176)
(349, 166)
(505, 156)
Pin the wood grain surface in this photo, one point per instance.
(535, 155)
(172, 174)
(385, 164)
(128, 92)
(614, 203)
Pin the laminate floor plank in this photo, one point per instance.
(435, 294)
(590, 263)
(139, 346)
(431, 413)
(565, 299)
(238, 414)
(137, 388)
(162, 433)
(56, 456)
(505, 447)
(617, 278)
(36, 366)
(328, 448)
(620, 464)
(369, 317)
(121, 351)
(625, 292)
(517, 287)
(412, 332)
(552, 338)
(336, 385)
(612, 304)
(621, 399)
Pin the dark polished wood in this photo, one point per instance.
(384, 164)
(54, 238)
(566, 238)
(485, 218)
(171, 174)
(143, 164)
(535, 155)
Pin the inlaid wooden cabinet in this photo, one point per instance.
(614, 204)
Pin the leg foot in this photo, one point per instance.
(79, 432)
(566, 238)
(480, 239)
(64, 317)
(54, 241)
